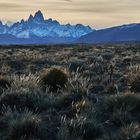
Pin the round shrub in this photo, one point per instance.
(54, 78)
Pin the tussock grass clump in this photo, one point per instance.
(134, 79)
(16, 100)
(127, 132)
(5, 119)
(54, 78)
(25, 81)
(122, 109)
(75, 65)
(135, 84)
(64, 103)
(130, 132)
(121, 117)
(127, 101)
(91, 130)
(72, 105)
(84, 107)
(25, 126)
(32, 99)
(66, 100)
(79, 84)
(82, 129)
(4, 83)
(5, 69)
(76, 95)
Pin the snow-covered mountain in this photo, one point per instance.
(37, 26)
(3, 28)
(37, 30)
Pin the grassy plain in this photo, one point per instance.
(70, 92)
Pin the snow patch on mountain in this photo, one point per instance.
(37, 26)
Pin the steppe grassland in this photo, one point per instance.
(64, 92)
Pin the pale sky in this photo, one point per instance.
(96, 13)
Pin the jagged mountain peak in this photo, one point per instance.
(79, 25)
(30, 19)
(22, 21)
(39, 16)
(52, 22)
(50, 19)
(37, 26)
(1, 23)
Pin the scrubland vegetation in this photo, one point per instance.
(77, 92)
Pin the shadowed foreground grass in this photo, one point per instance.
(70, 92)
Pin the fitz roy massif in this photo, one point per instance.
(37, 30)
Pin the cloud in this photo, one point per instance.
(93, 12)
(68, 0)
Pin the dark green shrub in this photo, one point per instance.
(53, 78)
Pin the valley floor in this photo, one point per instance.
(70, 92)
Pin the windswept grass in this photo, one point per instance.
(78, 92)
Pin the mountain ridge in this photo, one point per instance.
(37, 26)
(38, 30)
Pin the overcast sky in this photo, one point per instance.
(96, 13)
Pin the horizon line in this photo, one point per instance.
(4, 22)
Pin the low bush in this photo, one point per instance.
(87, 129)
(16, 101)
(26, 126)
(4, 84)
(53, 78)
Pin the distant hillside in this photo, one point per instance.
(122, 33)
